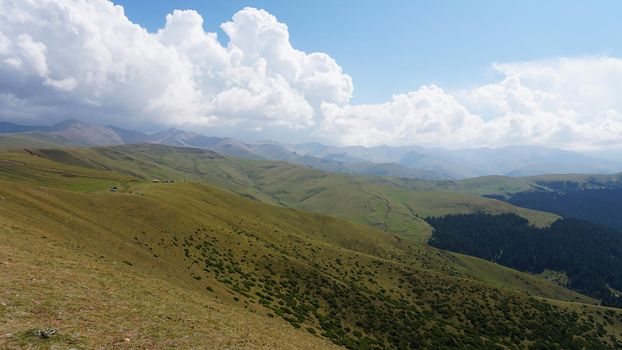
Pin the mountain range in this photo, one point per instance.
(404, 161)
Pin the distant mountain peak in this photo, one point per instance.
(267, 142)
(67, 123)
(404, 161)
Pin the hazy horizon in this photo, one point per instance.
(612, 156)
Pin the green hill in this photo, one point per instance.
(184, 264)
(32, 140)
(382, 202)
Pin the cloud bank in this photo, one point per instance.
(86, 59)
(569, 103)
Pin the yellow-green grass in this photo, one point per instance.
(106, 253)
(99, 301)
(504, 277)
(494, 185)
(609, 318)
(439, 203)
(29, 140)
(366, 200)
(145, 224)
(34, 169)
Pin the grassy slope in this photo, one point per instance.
(479, 185)
(104, 303)
(253, 239)
(385, 203)
(30, 140)
(389, 207)
(439, 203)
(65, 265)
(503, 277)
(504, 185)
(494, 185)
(129, 249)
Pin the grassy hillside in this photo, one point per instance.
(311, 271)
(30, 140)
(505, 186)
(173, 264)
(96, 300)
(390, 204)
(503, 277)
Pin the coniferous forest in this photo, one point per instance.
(589, 254)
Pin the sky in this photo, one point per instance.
(436, 73)
(391, 47)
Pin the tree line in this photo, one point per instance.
(589, 254)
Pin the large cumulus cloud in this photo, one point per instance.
(85, 59)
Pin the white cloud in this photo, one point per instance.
(86, 59)
(570, 102)
(418, 117)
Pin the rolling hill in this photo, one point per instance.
(171, 264)
(382, 202)
(153, 254)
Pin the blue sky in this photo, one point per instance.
(393, 47)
